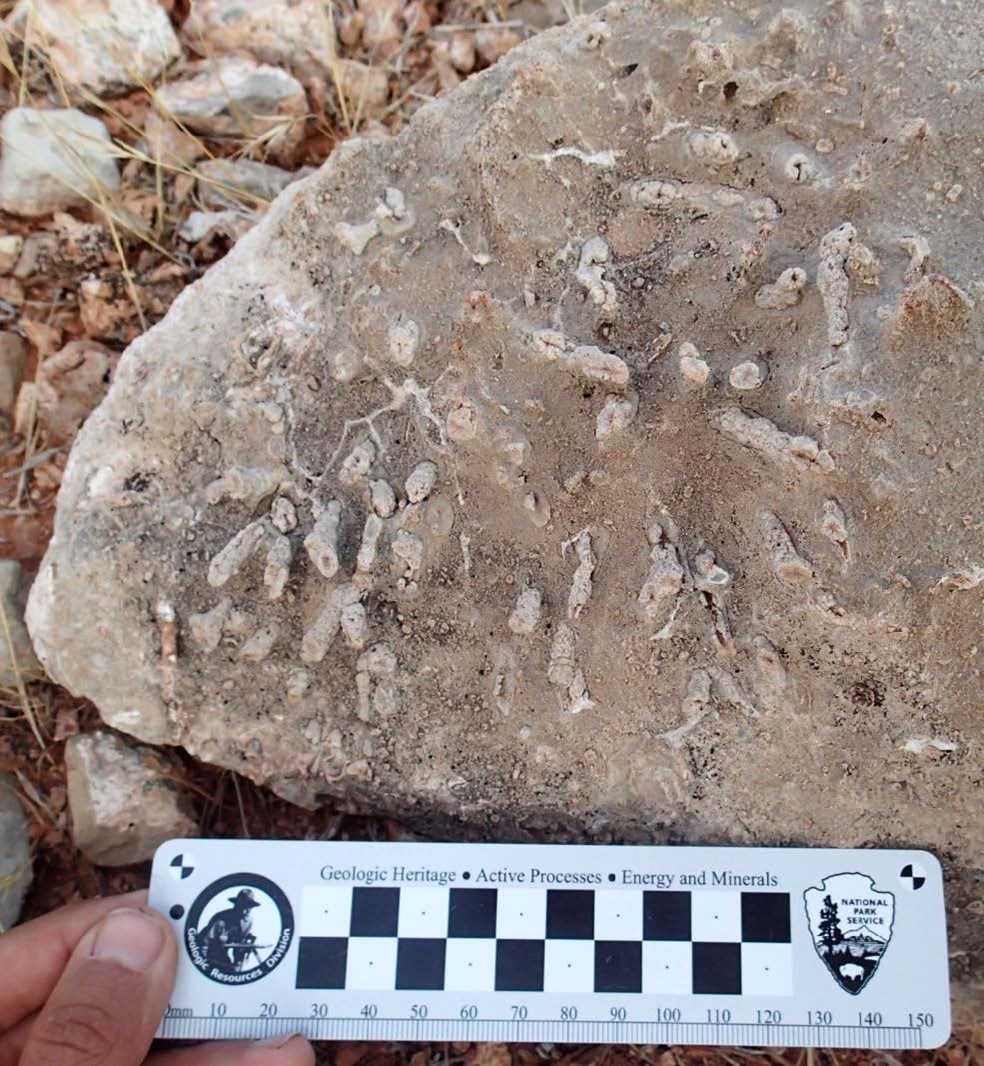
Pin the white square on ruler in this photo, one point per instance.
(371, 963)
(568, 966)
(469, 965)
(618, 915)
(326, 910)
(715, 917)
(423, 912)
(521, 914)
(767, 969)
(667, 967)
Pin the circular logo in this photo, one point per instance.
(913, 876)
(239, 929)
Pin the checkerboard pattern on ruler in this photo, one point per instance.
(546, 940)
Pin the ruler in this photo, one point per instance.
(558, 943)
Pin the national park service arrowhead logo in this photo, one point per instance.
(851, 925)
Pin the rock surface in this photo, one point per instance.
(104, 46)
(290, 33)
(234, 96)
(15, 855)
(52, 160)
(631, 599)
(123, 805)
(17, 656)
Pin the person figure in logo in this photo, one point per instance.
(228, 939)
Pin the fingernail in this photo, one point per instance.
(276, 1042)
(129, 937)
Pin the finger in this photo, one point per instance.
(108, 1002)
(293, 1051)
(33, 956)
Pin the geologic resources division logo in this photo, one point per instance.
(851, 925)
(239, 929)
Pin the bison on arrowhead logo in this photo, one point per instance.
(851, 925)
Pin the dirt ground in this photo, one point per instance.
(133, 274)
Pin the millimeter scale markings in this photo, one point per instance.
(555, 943)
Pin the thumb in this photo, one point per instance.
(110, 997)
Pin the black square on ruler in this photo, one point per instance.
(375, 911)
(420, 962)
(618, 966)
(717, 969)
(765, 917)
(519, 966)
(570, 914)
(321, 961)
(666, 915)
(471, 912)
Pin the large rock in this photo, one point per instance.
(123, 799)
(15, 854)
(599, 453)
(54, 159)
(104, 46)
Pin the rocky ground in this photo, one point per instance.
(134, 155)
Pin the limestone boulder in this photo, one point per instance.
(123, 799)
(451, 492)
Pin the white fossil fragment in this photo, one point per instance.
(365, 561)
(591, 275)
(234, 556)
(666, 575)
(525, 616)
(358, 463)
(766, 437)
(768, 663)
(716, 148)
(693, 368)
(244, 484)
(785, 291)
(408, 549)
(206, 628)
(746, 376)
(708, 575)
(421, 480)
(962, 579)
(832, 280)
(920, 745)
(537, 507)
(404, 340)
(582, 582)
(787, 563)
(283, 514)
(564, 673)
(355, 236)
(258, 647)
(617, 415)
(320, 635)
(695, 707)
(354, 623)
(321, 543)
(382, 498)
(833, 525)
(585, 360)
(276, 573)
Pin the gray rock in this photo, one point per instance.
(296, 34)
(234, 96)
(11, 246)
(52, 160)
(240, 183)
(104, 46)
(17, 658)
(16, 869)
(749, 601)
(13, 356)
(123, 805)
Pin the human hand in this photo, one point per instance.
(88, 985)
